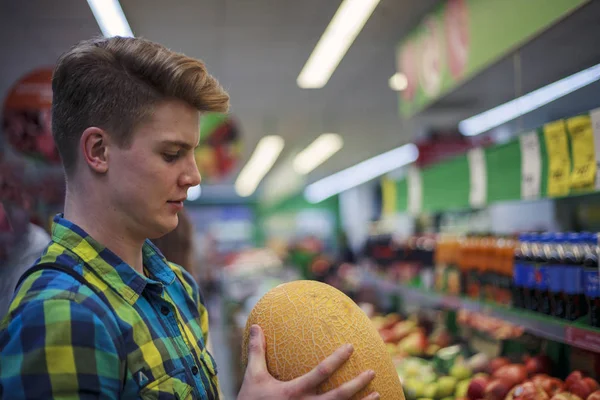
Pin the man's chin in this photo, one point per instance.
(164, 227)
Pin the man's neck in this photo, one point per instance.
(106, 227)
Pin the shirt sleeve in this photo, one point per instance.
(60, 349)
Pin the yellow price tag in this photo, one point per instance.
(559, 162)
(582, 152)
(388, 189)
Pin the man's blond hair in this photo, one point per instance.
(115, 83)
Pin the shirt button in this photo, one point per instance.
(195, 370)
(164, 310)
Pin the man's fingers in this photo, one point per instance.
(349, 389)
(323, 371)
(372, 396)
(257, 364)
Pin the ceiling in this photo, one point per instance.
(257, 49)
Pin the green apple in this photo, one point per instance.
(460, 372)
(446, 386)
(431, 390)
(462, 387)
(414, 388)
(428, 377)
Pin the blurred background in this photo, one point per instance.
(395, 149)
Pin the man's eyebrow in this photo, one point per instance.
(182, 144)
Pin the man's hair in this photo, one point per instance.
(115, 83)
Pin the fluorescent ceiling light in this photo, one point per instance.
(361, 173)
(110, 18)
(194, 193)
(531, 101)
(345, 25)
(317, 152)
(264, 156)
(398, 82)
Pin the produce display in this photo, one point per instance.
(494, 327)
(304, 321)
(435, 366)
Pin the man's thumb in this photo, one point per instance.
(256, 351)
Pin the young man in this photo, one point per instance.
(118, 320)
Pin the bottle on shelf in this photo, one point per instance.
(551, 248)
(522, 250)
(556, 271)
(591, 280)
(529, 271)
(475, 264)
(505, 251)
(575, 304)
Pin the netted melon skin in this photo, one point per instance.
(306, 321)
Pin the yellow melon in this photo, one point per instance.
(306, 321)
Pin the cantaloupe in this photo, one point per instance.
(306, 321)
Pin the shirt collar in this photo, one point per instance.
(117, 274)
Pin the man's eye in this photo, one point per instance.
(170, 157)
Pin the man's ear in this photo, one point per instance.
(94, 145)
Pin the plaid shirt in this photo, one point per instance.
(140, 338)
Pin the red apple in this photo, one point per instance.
(390, 320)
(552, 386)
(527, 391)
(594, 396)
(592, 383)
(565, 396)
(541, 364)
(515, 373)
(572, 378)
(497, 363)
(497, 389)
(537, 379)
(477, 387)
(582, 388)
(387, 335)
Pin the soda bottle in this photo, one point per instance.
(591, 280)
(522, 250)
(504, 289)
(555, 272)
(573, 279)
(550, 244)
(529, 269)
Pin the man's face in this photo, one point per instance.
(149, 180)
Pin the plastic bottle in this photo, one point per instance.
(575, 303)
(505, 250)
(551, 248)
(555, 272)
(529, 268)
(518, 290)
(591, 280)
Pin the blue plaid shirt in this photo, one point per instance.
(139, 337)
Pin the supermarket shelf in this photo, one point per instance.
(574, 334)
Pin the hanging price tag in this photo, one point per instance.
(478, 178)
(583, 154)
(531, 166)
(415, 191)
(595, 118)
(559, 162)
(388, 189)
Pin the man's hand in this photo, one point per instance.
(260, 385)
